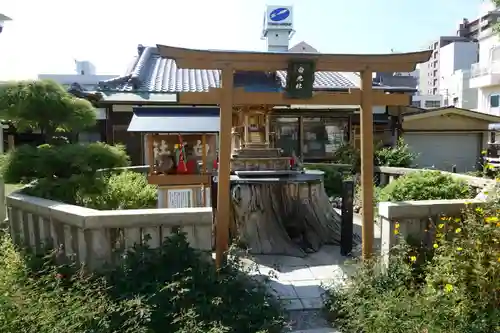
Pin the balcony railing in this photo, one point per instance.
(477, 70)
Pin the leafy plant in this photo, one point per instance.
(425, 185)
(455, 289)
(332, 178)
(398, 156)
(347, 154)
(125, 190)
(169, 289)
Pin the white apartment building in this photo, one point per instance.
(450, 53)
(485, 74)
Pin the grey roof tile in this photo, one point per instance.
(151, 73)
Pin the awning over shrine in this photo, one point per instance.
(175, 120)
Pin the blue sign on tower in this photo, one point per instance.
(279, 14)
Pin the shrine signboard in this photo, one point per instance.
(300, 79)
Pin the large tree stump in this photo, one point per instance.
(288, 216)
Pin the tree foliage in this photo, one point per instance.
(44, 105)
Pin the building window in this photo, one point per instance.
(435, 73)
(432, 104)
(435, 91)
(492, 137)
(494, 101)
(455, 101)
(287, 134)
(322, 136)
(416, 104)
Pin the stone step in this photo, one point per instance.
(256, 145)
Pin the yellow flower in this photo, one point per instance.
(457, 219)
(448, 288)
(441, 225)
(483, 152)
(491, 219)
(459, 249)
(458, 230)
(396, 232)
(413, 258)
(498, 259)
(498, 224)
(467, 203)
(435, 246)
(396, 225)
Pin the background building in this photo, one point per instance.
(450, 53)
(485, 74)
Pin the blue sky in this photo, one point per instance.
(46, 36)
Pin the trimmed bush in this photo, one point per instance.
(171, 289)
(452, 288)
(27, 163)
(425, 185)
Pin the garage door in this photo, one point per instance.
(443, 150)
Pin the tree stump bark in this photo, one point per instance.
(284, 217)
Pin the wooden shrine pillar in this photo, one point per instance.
(223, 192)
(367, 162)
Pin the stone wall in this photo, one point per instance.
(94, 237)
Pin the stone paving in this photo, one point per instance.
(301, 282)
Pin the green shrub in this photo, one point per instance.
(453, 289)
(347, 154)
(425, 185)
(171, 289)
(27, 163)
(125, 190)
(398, 156)
(332, 178)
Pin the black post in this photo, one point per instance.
(346, 228)
(454, 168)
(213, 190)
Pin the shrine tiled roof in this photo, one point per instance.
(151, 73)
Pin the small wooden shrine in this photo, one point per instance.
(268, 205)
(182, 152)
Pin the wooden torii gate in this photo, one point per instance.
(227, 96)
